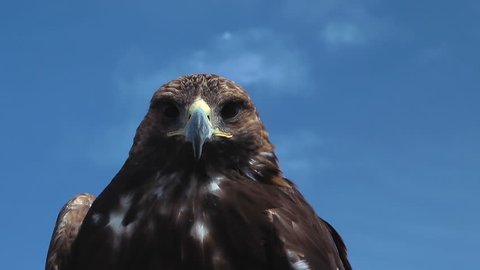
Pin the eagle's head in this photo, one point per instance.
(203, 120)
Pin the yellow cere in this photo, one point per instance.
(200, 104)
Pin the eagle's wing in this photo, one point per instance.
(66, 229)
(309, 241)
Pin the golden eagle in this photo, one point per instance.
(201, 189)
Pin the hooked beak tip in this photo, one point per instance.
(197, 145)
(198, 130)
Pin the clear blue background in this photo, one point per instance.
(373, 106)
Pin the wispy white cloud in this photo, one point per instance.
(339, 23)
(256, 58)
(343, 34)
(433, 54)
(357, 27)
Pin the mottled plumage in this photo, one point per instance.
(66, 230)
(201, 189)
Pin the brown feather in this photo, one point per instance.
(280, 181)
(66, 230)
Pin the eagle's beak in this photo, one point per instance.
(199, 127)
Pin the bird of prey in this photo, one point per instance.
(201, 189)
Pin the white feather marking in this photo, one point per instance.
(115, 221)
(158, 191)
(96, 217)
(301, 265)
(271, 213)
(266, 154)
(116, 218)
(295, 226)
(295, 260)
(199, 231)
(180, 212)
(214, 185)
(125, 201)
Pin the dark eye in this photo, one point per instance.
(169, 110)
(230, 109)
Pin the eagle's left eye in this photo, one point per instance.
(230, 109)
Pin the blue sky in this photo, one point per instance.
(373, 107)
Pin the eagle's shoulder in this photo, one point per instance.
(68, 223)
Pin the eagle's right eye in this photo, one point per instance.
(169, 110)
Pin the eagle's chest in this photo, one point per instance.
(181, 226)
